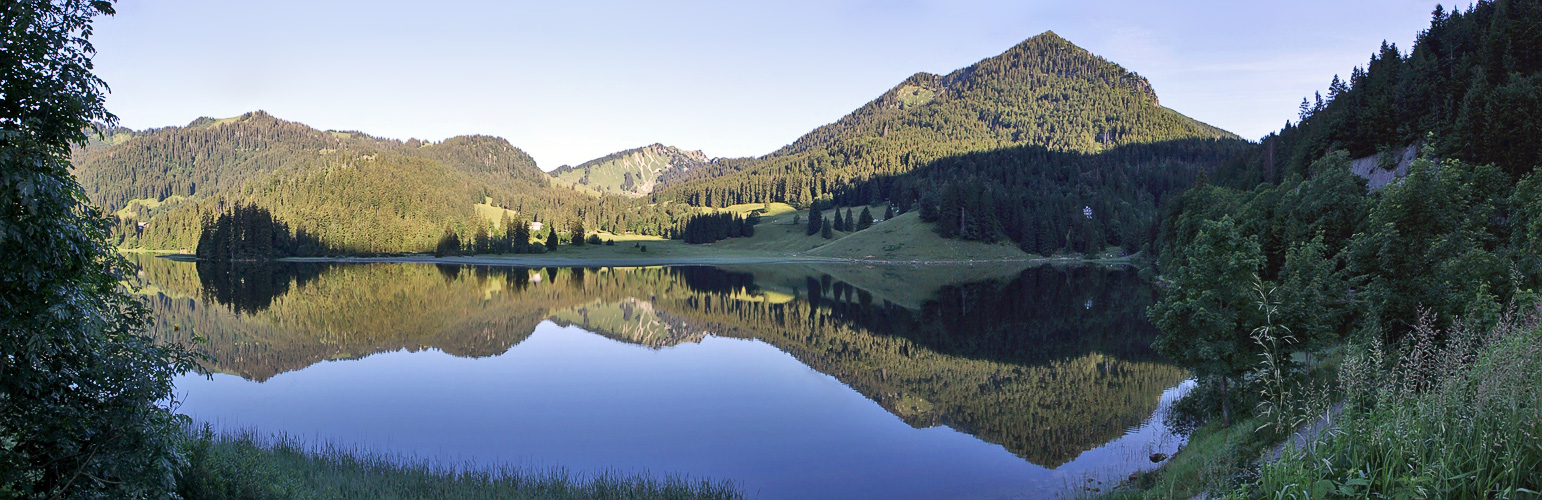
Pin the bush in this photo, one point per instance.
(85, 395)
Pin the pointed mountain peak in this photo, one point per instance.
(1047, 54)
(1047, 35)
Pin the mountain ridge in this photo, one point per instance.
(632, 172)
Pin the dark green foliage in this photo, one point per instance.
(824, 231)
(816, 221)
(888, 212)
(1473, 78)
(449, 244)
(482, 241)
(576, 230)
(1040, 199)
(84, 393)
(838, 222)
(1434, 241)
(1210, 308)
(247, 232)
(708, 228)
(519, 236)
(551, 239)
(865, 220)
(1451, 244)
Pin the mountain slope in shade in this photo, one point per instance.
(633, 172)
(1044, 92)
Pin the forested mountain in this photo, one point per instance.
(1043, 92)
(350, 192)
(1046, 145)
(633, 172)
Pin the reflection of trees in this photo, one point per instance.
(1046, 408)
(249, 287)
(1047, 364)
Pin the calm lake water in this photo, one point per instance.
(795, 381)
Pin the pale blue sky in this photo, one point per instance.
(568, 81)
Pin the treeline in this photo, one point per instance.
(1048, 202)
(247, 232)
(1471, 79)
(707, 228)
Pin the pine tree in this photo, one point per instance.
(520, 242)
(851, 222)
(888, 212)
(839, 222)
(825, 230)
(482, 241)
(816, 221)
(866, 219)
(551, 240)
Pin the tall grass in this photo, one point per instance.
(1459, 418)
(246, 466)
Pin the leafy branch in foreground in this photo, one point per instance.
(84, 393)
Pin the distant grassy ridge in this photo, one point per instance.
(247, 467)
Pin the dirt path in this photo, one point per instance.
(1307, 434)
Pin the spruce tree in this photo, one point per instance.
(577, 229)
(839, 222)
(825, 230)
(551, 240)
(520, 242)
(816, 221)
(865, 220)
(888, 212)
(851, 222)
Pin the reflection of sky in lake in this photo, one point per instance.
(721, 409)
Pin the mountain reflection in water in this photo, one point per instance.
(1047, 362)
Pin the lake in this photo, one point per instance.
(794, 381)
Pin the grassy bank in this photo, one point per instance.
(243, 466)
(1457, 415)
(1449, 414)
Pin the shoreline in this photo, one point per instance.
(516, 260)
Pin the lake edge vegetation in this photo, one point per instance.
(1388, 332)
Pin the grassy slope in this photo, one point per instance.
(646, 164)
(906, 238)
